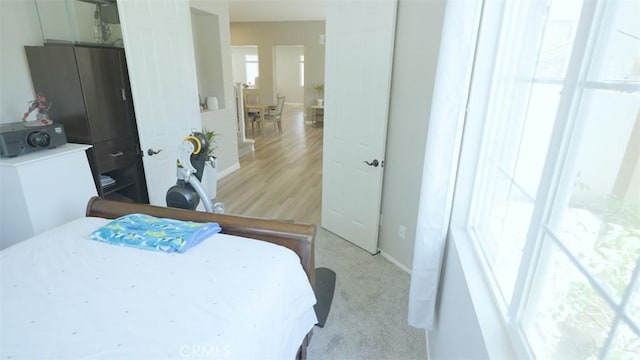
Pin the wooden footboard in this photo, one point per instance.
(297, 237)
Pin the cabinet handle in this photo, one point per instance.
(116, 154)
(124, 94)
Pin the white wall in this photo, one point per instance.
(224, 120)
(602, 156)
(457, 333)
(208, 53)
(18, 27)
(418, 31)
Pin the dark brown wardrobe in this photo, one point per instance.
(88, 87)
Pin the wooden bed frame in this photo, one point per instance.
(297, 237)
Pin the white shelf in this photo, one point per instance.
(43, 155)
(41, 190)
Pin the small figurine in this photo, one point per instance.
(43, 106)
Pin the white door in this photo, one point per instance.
(359, 53)
(159, 50)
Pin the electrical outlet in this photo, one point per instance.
(402, 231)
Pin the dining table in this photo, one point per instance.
(261, 109)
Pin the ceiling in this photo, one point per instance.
(276, 10)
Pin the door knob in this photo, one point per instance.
(150, 152)
(374, 163)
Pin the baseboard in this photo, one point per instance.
(395, 262)
(408, 271)
(426, 335)
(229, 170)
(245, 147)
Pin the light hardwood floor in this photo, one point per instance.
(282, 179)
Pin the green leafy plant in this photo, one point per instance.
(584, 315)
(211, 139)
(320, 89)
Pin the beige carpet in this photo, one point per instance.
(368, 317)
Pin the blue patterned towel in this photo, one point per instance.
(152, 233)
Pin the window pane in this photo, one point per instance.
(600, 221)
(536, 134)
(531, 62)
(508, 216)
(557, 42)
(565, 318)
(618, 56)
(598, 210)
(240, 56)
(301, 74)
(252, 73)
(488, 224)
(625, 345)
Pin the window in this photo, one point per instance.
(554, 158)
(301, 70)
(245, 64)
(251, 66)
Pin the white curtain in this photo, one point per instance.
(441, 156)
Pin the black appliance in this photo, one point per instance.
(28, 136)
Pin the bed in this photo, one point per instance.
(245, 293)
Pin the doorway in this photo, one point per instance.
(246, 65)
(288, 73)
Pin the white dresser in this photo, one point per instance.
(41, 190)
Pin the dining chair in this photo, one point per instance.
(251, 96)
(251, 118)
(276, 115)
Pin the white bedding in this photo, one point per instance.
(65, 296)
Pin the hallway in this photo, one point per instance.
(282, 179)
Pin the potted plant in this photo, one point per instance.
(210, 175)
(320, 89)
(211, 139)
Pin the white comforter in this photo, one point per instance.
(65, 296)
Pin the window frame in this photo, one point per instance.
(557, 175)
